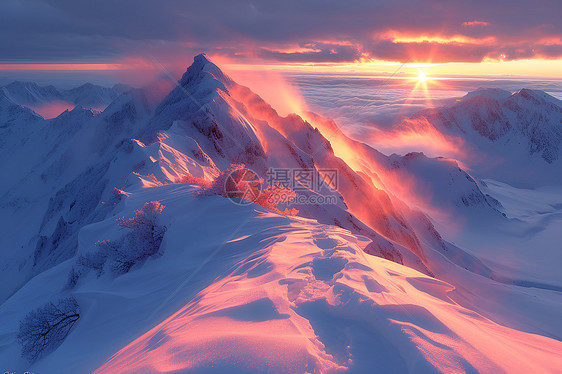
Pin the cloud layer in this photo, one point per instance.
(295, 31)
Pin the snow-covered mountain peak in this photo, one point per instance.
(75, 113)
(494, 93)
(90, 95)
(412, 156)
(205, 75)
(30, 93)
(198, 86)
(28, 85)
(536, 98)
(513, 137)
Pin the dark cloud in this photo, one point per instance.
(314, 52)
(63, 30)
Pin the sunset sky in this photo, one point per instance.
(441, 37)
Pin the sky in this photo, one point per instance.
(354, 61)
(477, 37)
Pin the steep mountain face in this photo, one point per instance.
(233, 125)
(539, 117)
(200, 107)
(310, 292)
(516, 138)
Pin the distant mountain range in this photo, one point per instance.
(516, 137)
(87, 95)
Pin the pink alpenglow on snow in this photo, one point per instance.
(210, 233)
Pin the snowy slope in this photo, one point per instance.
(525, 248)
(270, 293)
(242, 289)
(312, 301)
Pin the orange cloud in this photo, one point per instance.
(476, 23)
(398, 37)
(294, 49)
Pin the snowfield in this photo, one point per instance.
(241, 289)
(418, 266)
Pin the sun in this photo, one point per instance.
(422, 76)
(422, 86)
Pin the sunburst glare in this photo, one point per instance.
(422, 76)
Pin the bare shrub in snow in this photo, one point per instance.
(238, 182)
(196, 180)
(44, 329)
(217, 186)
(144, 218)
(275, 195)
(142, 240)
